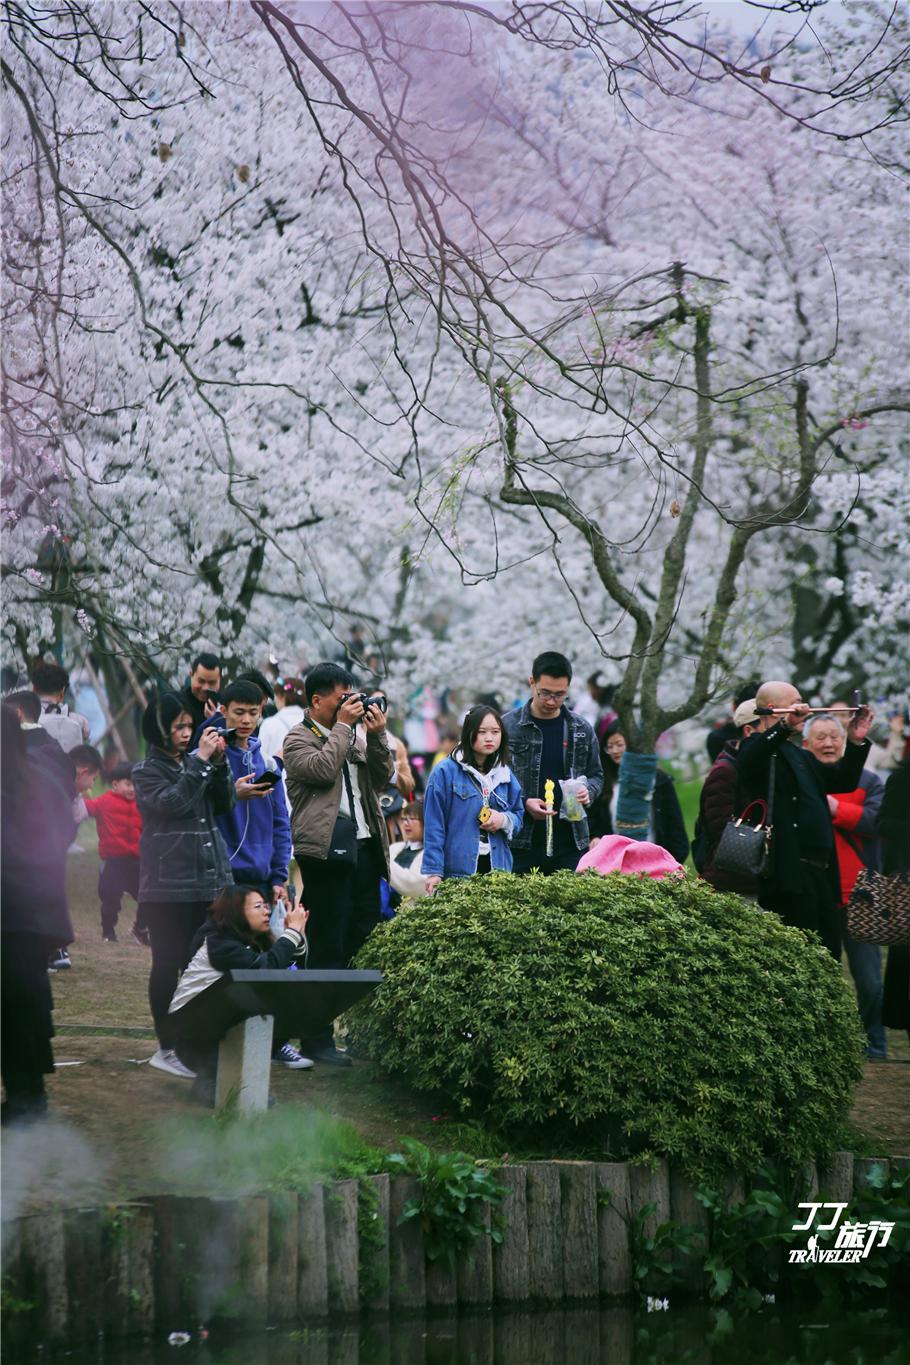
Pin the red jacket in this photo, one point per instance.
(119, 825)
(854, 829)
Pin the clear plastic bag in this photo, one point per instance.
(571, 808)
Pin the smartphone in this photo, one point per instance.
(857, 698)
(268, 779)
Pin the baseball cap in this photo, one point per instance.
(745, 714)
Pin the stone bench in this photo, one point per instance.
(299, 1002)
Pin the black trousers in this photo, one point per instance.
(344, 902)
(566, 852)
(172, 926)
(810, 904)
(117, 876)
(25, 1017)
(198, 1027)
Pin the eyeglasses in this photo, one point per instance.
(551, 696)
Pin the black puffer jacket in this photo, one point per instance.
(182, 856)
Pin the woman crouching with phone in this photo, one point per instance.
(235, 937)
(472, 805)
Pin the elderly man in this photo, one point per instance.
(804, 884)
(854, 815)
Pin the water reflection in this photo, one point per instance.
(611, 1336)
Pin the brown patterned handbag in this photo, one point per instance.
(878, 910)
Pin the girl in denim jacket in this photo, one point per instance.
(473, 804)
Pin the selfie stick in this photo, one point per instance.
(810, 711)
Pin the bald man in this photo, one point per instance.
(804, 883)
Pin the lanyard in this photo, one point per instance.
(346, 776)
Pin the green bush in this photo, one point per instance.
(653, 1018)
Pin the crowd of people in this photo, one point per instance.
(273, 822)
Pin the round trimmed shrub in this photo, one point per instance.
(637, 1016)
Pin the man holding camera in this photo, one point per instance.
(337, 763)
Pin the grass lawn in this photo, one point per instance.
(120, 1105)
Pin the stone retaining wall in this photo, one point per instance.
(175, 1262)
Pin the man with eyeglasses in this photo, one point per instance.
(549, 742)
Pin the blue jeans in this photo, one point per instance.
(866, 969)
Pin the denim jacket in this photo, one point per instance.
(581, 758)
(182, 856)
(451, 829)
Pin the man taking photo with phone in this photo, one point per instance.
(257, 831)
(338, 763)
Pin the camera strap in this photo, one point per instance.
(345, 773)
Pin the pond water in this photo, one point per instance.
(691, 1335)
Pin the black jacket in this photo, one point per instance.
(47, 753)
(37, 829)
(182, 856)
(719, 737)
(228, 952)
(666, 814)
(800, 819)
(893, 823)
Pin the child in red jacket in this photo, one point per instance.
(119, 826)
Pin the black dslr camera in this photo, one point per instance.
(366, 700)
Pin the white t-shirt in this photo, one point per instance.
(273, 730)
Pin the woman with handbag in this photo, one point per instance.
(720, 804)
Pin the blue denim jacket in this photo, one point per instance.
(451, 830)
(581, 754)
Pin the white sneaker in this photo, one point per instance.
(167, 1060)
(288, 1056)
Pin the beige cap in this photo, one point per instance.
(745, 714)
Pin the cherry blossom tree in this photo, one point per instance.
(330, 313)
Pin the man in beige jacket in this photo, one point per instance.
(337, 763)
